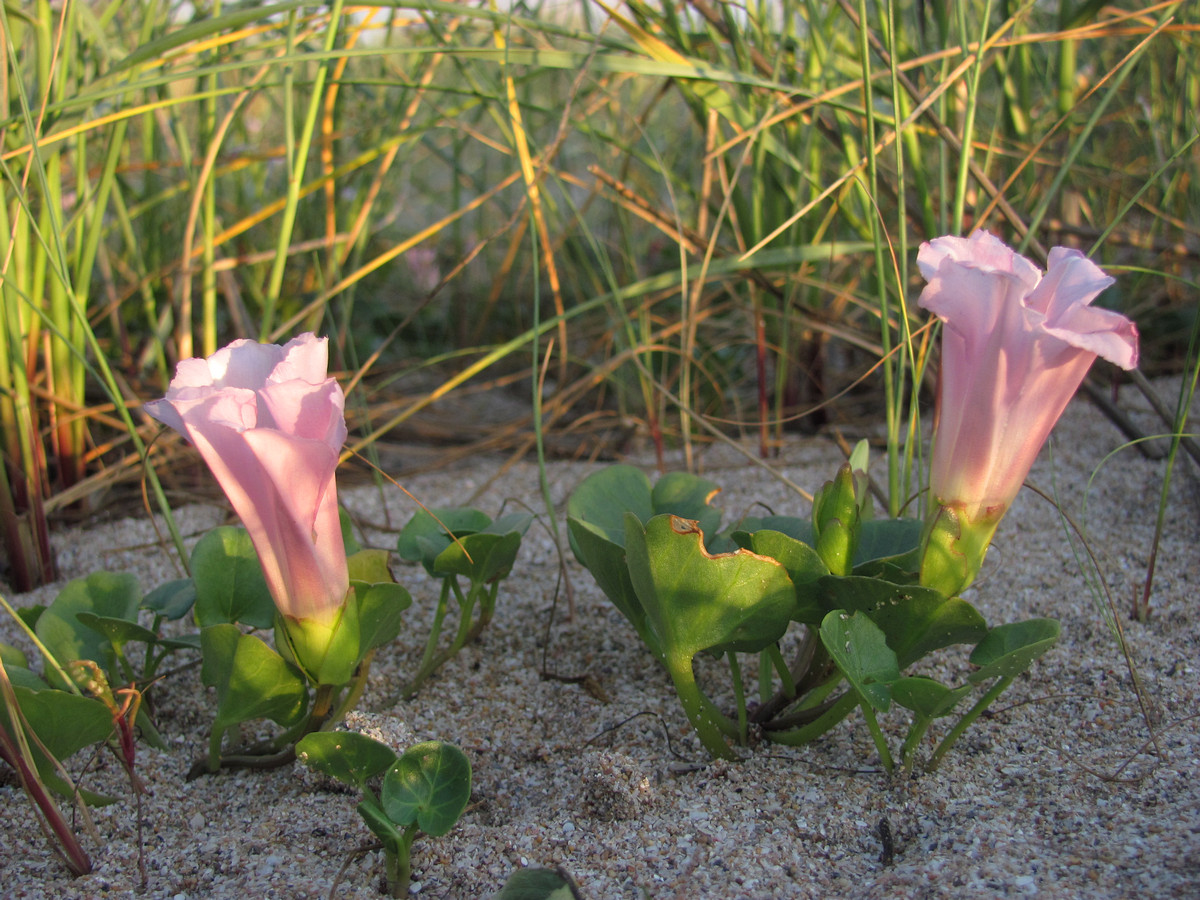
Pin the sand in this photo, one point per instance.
(1070, 788)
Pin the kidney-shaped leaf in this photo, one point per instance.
(171, 600)
(929, 699)
(696, 601)
(915, 619)
(251, 679)
(606, 561)
(348, 756)
(1008, 650)
(230, 585)
(888, 539)
(804, 566)
(480, 558)
(603, 498)
(858, 647)
(430, 785)
(687, 496)
(428, 532)
(65, 723)
(103, 594)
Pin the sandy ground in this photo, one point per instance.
(1061, 793)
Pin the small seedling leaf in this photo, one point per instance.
(348, 756)
(430, 785)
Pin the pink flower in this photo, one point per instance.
(1015, 347)
(270, 425)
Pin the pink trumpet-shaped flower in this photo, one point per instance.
(1015, 347)
(270, 425)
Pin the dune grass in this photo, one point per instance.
(694, 216)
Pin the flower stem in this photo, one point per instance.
(355, 692)
(785, 674)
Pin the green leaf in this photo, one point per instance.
(171, 600)
(793, 526)
(538, 884)
(481, 557)
(424, 537)
(348, 540)
(687, 496)
(606, 561)
(1008, 650)
(370, 566)
(915, 619)
(20, 676)
(117, 631)
(112, 595)
(11, 656)
(603, 498)
(861, 652)
(181, 642)
(891, 539)
(429, 784)
(803, 564)
(65, 723)
(927, 698)
(252, 680)
(30, 615)
(348, 756)
(696, 601)
(230, 585)
(380, 613)
(511, 523)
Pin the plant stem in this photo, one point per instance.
(962, 724)
(785, 674)
(354, 694)
(399, 864)
(916, 731)
(885, 755)
(796, 736)
(739, 693)
(711, 726)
